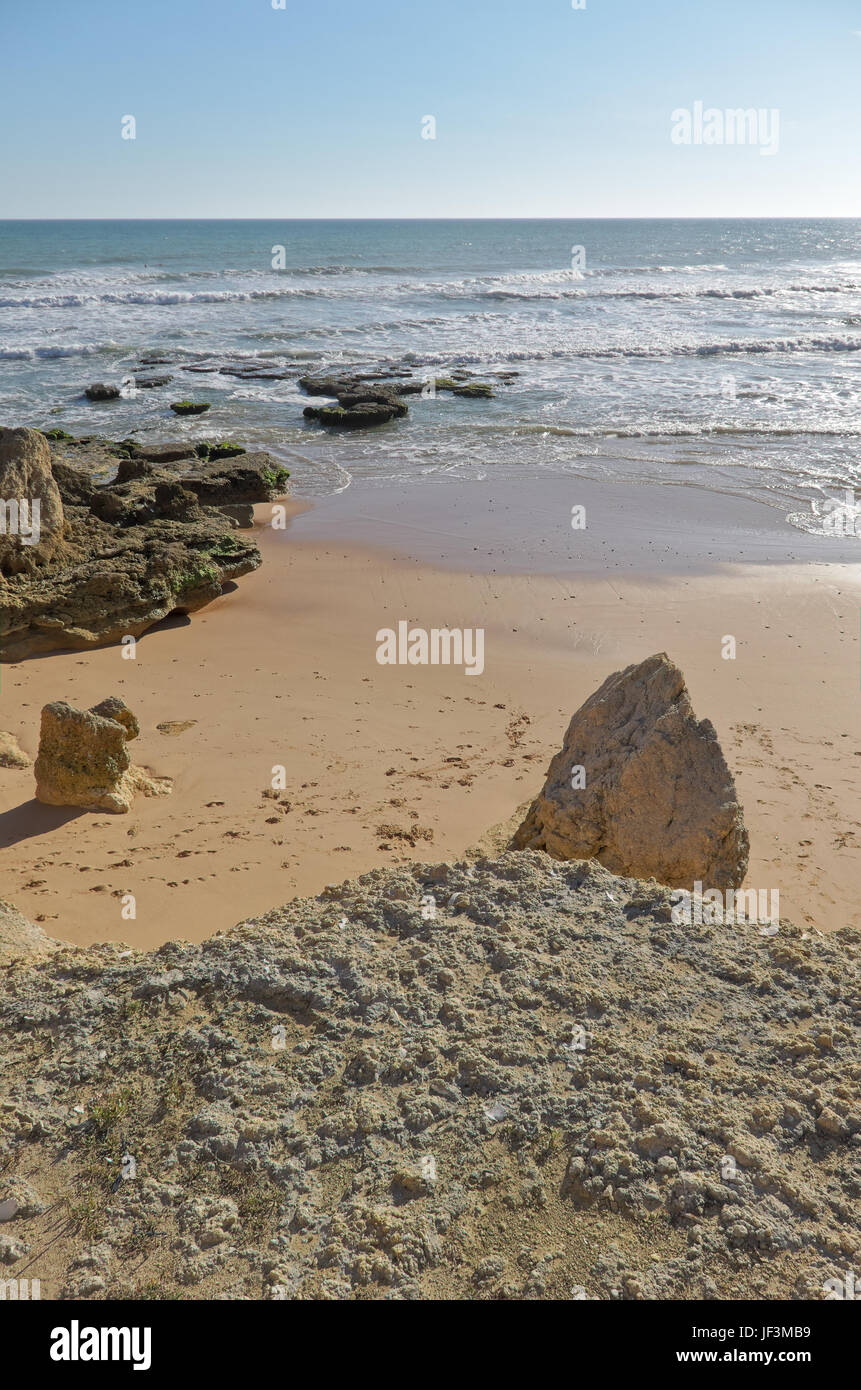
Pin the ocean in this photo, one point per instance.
(713, 354)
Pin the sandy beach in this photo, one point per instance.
(430, 673)
(394, 763)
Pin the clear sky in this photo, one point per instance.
(315, 110)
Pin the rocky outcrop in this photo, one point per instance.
(153, 541)
(362, 401)
(642, 786)
(500, 1080)
(31, 510)
(229, 476)
(360, 405)
(83, 759)
(360, 415)
(100, 392)
(474, 390)
(149, 383)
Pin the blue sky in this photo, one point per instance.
(315, 110)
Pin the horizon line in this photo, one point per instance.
(591, 217)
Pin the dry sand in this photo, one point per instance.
(389, 763)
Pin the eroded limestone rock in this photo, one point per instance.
(31, 511)
(658, 801)
(83, 759)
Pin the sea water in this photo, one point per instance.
(716, 354)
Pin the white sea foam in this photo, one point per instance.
(627, 357)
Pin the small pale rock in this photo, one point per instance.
(11, 753)
(83, 760)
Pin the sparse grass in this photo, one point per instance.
(552, 1146)
(106, 1114)
(87, 1215)
(257, 1201)
(167, 1113)
(156, 1291)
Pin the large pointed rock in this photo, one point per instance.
(658, 800)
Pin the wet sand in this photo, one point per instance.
(389, 763)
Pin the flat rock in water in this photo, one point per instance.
(148, 383)
(99, 391)
(360, 416)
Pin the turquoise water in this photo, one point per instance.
(716, 354)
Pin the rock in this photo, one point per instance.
(115, 708)
(224, 450)
(831, 1124)
(26, 1199)
(100, 392)
(135, 549)
(130, 469)
(474, 390)
(306, 1163)
(350, 399)
(11, 755)
(19, 938)
(658, 801)
(12, 1250)
(143, 495)
(246, 477)
(240, 513)
(167, 453)
(31, 510)
(353, 395)
(148, 383)
(83, 760)
(325, 385)
(189, 407)
(76, 486)
(151, 571)
(410, 388)
(359, 406)
(359, 417)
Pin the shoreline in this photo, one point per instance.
(651, 529)
(282, 671)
